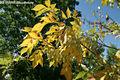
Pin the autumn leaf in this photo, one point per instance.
(52, 6)
(63, 15)
(68, 12)
(93, 13)
(24, 50)
(26, 29)
(47, 3)
(66, 71)
(51, 63)
(80, 75)
(75, 13)
(91, 1)
(25, 42)
(39, 7)
(102, 34)
(34, 35)
(103, 3)
(41, 12)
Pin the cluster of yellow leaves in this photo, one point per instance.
(65, 48)
(66, 39)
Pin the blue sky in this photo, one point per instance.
(86, 10)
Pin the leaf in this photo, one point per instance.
(25, 42)
(40, 58)
(41, 12)
(68, 12)
(51, 63)
(24, 50)
(103, 3)
(3, 67)
(66, 71)
(80, 75)
(37, 27)
(52, 6)
(93, 13)
(34, 35)
(45, 19)
(26, 29)
(75, 13)
(31, 58)
(49, 32)
(47, 3)
(118, 54)
(91, 1)
(102, 78)
(102, 34)
(51, 17)
(63, 15)
(38, 7)
(35, 62)
(4, 71)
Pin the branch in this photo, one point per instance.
(107, 46)
(87, 48)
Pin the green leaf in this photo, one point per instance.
(3, 72)
(80, 75)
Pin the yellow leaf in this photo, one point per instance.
(40, 58)
(35, 62)
(34, 35)
(37, 27)
(75, 13)
(54, 28)
(103, 2)
(51, 17)
(93, 13)
(68, 12)
(24, 50)
(118, 54)
(31, 58)
(51, 63)
(102, 78)
(102, 34)
(41, 12)
(30, 50)
(45, 19)
(50, 32)
(91, 1)
(47, 3)
(52, 6)
(63, 15)
(38, 7)
(80, 75)
(26, 29)
(25, 42)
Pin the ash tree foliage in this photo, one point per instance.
(60, 37)
(13, 18)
